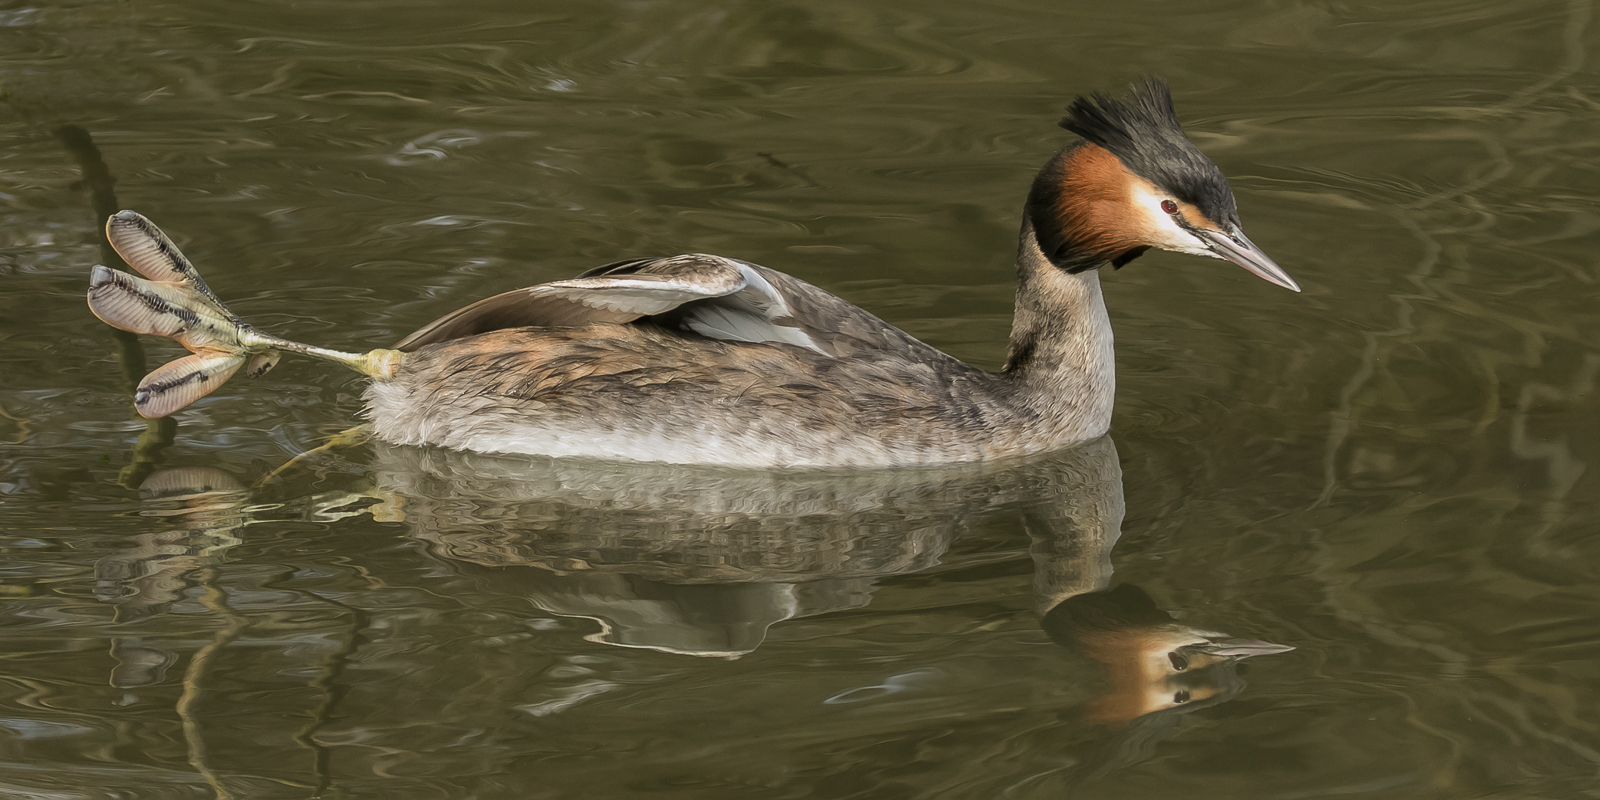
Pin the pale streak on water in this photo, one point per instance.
(1390, 472)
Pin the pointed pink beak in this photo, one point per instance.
(1240, 250)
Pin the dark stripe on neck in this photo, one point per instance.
(1022, 354)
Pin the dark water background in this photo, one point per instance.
(1393, 472)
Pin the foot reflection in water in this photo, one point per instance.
(157, 569)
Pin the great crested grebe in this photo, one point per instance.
(711, 360)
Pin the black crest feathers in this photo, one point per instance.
(1142, 130)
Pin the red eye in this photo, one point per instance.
(1169, 206)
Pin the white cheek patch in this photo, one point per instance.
(1160, 228)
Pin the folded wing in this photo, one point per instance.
(716, 297)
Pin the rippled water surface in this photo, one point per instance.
(1394, 473)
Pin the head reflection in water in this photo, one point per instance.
(1151, 661)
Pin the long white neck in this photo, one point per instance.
(1062, 362)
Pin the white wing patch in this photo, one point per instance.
(733, 303)
(755, 313)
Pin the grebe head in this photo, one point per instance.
(1136, 182)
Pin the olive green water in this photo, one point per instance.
(1394, 472)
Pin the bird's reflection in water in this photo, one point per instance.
(703, 561)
